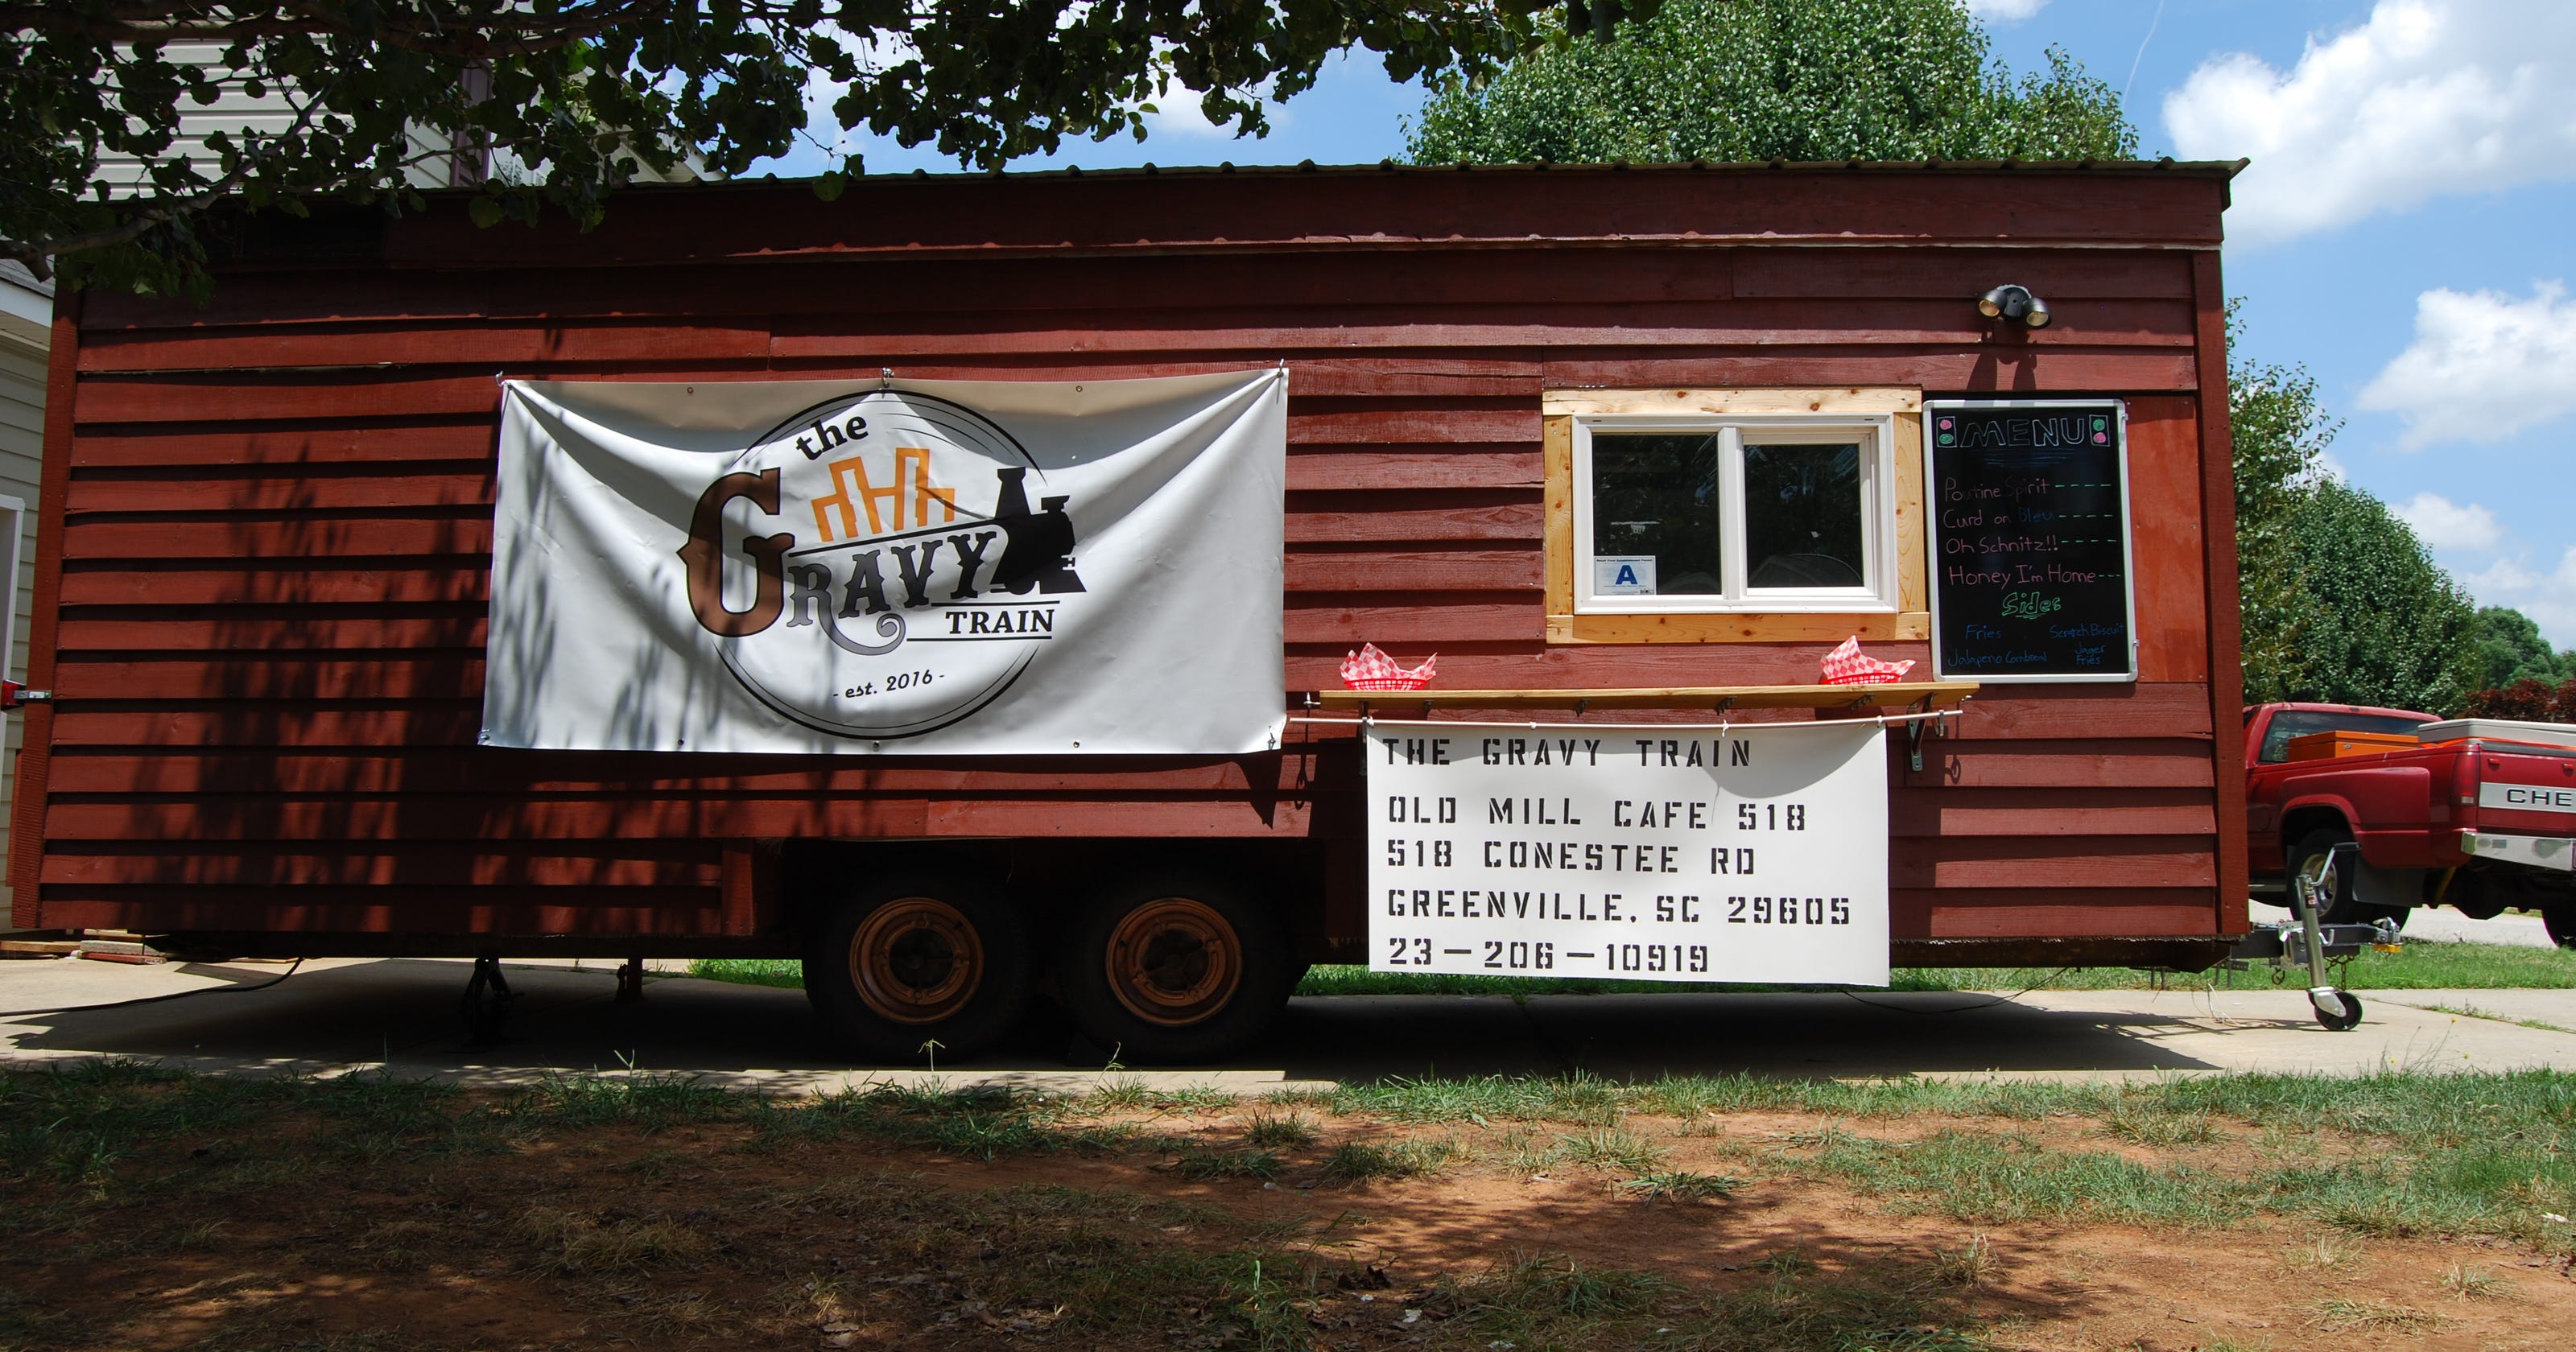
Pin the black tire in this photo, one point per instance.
(2560, 917)
(2345, 909)
(1165, 970)
(2347, 1017)
(915, 959)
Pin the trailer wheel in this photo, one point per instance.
(1169, 970)
(2311, 859)
(916, 960)
(2560, 917)
(2343, 1017)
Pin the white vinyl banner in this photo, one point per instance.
(1749, 853)
(905, 567)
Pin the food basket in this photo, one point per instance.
(1370, 669)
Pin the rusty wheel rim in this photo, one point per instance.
(1174, 961)
(916, 960)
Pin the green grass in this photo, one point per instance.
(1288, 1131)
(2443, 1156)
(785, 972)
(2419, 1109)
(1613, 1148)
(2428, 1154)
(1355, 1161)
(2422, 966)
(2441, 966)
(1990, 1178)
(96, 1162)
(2447, 1182)
(2337, 1315)
(1200, 1161)
(1681, 1185)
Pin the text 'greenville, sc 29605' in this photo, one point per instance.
(1648, 853)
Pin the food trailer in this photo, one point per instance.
(952, 584)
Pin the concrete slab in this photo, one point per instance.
(2080, 1035)
(2556, 1009)
(345, 1015)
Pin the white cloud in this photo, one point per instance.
(2425, 99)
(2483, 366)
(2443, 524)
(1178, 114)
(824, 139)
(2006, 11)
(2504, 577)
(2548, 598)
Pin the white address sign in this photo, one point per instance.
(1647, 853)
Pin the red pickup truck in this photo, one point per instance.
(2472, 816)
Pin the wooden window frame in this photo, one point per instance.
(1902, 408)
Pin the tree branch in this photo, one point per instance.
(576, 22)
(37, 256)
(176, 23)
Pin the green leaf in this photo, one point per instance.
(984, 83)
(1735, 80)
(485, 211)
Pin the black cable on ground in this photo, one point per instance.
(156, 999)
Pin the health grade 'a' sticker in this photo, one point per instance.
(1643, 853)
(1623, 575)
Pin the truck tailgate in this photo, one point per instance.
(2526, 790)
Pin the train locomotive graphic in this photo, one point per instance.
(899, 578)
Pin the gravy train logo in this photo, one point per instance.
(899, 579)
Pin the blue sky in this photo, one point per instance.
(2404, 233)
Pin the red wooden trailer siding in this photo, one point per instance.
(266, 521)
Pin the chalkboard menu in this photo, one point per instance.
(2030, 540)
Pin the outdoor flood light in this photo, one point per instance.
(2014, 302)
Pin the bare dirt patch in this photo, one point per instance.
(152, 1211)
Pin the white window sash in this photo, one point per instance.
(1877, 478)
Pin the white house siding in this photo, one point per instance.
(234, 112)
(23, 342)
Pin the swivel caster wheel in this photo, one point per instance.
(2338, 1011)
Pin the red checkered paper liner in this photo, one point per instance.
(1369, 669)
(1848, 665)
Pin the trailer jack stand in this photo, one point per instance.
(487, 1001)
(630, 982)
(2308, 941)
(2338, 1010)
